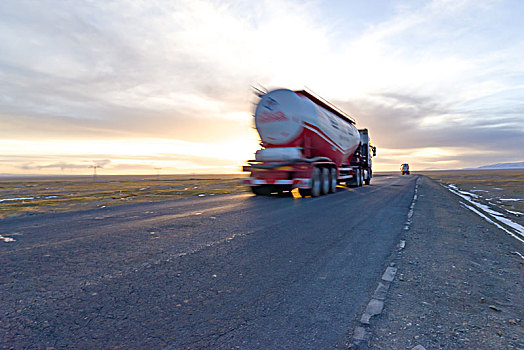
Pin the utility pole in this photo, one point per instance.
(94, 171)
(158, 173)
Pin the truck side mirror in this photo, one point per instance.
(374, 151)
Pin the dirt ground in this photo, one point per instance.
(497, 188)
(459, 283)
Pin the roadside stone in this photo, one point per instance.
(359, 334)
(365, 318)
(381, 291)
(419, 347)
(374, 308)
(493, 307)
(389, 274)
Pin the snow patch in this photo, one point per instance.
(518, 213)
(6, 239)
(495, 217)
(491, 221)
(522, 256)
(16, 199)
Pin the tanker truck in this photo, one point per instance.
(307, 143)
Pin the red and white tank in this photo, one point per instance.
(296, 124)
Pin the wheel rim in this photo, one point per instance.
(315, 186)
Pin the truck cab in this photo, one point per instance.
(404, 169)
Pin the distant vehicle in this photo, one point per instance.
(308, 144)
(404, 169)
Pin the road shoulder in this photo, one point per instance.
(458, 285)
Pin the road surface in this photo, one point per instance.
(231, 271)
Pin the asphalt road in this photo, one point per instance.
(231, 271)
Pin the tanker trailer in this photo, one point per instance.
(308, 144)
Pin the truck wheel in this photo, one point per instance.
(354, 180)
(362, 177)
(333, 182)
(326, 181)
(316, 183)
(357, 179)
(262, 190)
(368, 178)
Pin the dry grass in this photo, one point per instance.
(59, 194)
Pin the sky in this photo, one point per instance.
(140, 87)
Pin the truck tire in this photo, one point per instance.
(361, 177)
(262, 190)
(368, 177)
(326, 181)
(316, 183)
(357, 179)
(333, 182)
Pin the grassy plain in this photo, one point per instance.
(26, 195)
(66, 193)
(503, 188)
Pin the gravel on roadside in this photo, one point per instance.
(459, 283)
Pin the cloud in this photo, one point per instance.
(169, 162)
(434, 74)
(60, 165)
(405, 121)
(137, 124)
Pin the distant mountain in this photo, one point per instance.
(517, 165)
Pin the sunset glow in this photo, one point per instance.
(168, 84)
